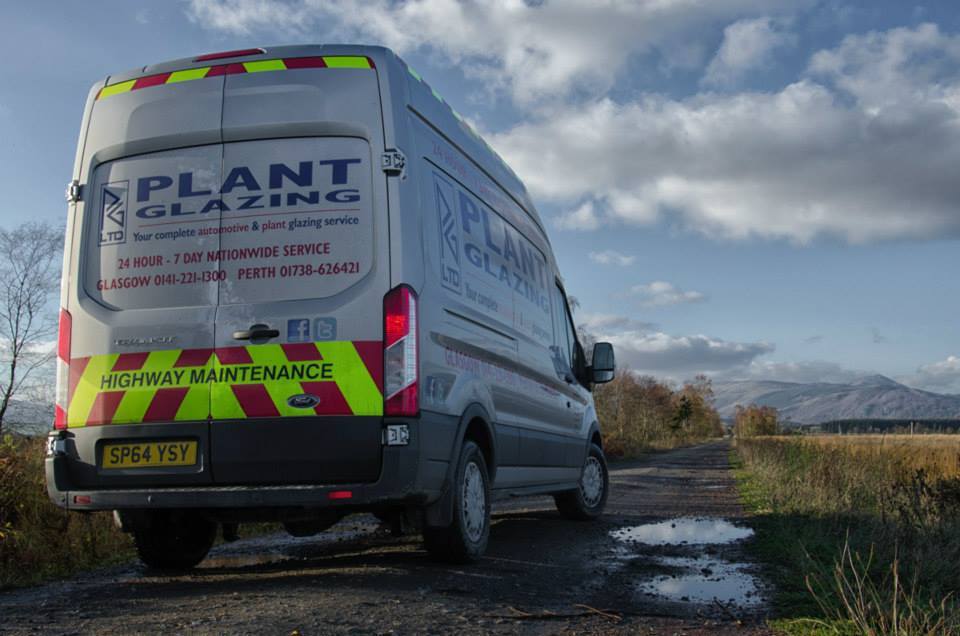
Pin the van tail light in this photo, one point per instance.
(63, 370)
(400, 356)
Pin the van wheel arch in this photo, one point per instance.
(475, 425)
(595, 437)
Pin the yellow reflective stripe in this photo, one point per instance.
(224, 404)
(187, 75)
(115, 89)
(346, 61)
(196, 403)
(87, 389)
(279, 390)
(264, 65)
(352, 377)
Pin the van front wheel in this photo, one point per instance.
(466, 538)
(172, 541)
(587, 502)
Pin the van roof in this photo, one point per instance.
(422, 98)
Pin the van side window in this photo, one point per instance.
(565, 333)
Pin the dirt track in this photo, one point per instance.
(358, 579)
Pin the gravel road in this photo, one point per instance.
(541, 574)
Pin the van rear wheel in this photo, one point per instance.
(587, 502)
(466, 538)
(174, 541)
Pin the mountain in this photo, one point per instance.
(28, 418)
(873, 396)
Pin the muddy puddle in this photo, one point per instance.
(700, 578)
(692, 531)
(703, 580)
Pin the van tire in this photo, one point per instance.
(465, 539)
(174, 541)
(587, 502)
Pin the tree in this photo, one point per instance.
(29, 272)
(682, 413)
(756, 420)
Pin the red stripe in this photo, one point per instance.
(165, 403)
(77, 367)
(371, 352)
(304, 62)
(233, 355)
(130, 361)
(193, 357)
(254, 400)
(372, 65)
(332, 401)
(104, 407)
(59, 417)
(226, 69)
(152, 80)
(301, 351)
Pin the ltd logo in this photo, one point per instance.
(113, 212)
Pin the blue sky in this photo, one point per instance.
(755, 189)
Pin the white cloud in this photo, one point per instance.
(643, 349)
(662, 294)
(583, 217)
(901, 66)
(747, 45)
(850, 157)
(534, 50)
(942, 376)
(661, 354)
(600, 323)
(612, 257)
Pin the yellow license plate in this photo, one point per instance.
(149, 454)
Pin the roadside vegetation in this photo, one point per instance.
(861, 533)
(39, 541)
(640, 413)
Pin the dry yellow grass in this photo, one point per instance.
(938, 455)
(880, 511)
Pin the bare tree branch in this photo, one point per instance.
(29, 271)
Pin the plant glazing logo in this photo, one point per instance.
(113, 212)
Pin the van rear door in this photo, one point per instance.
(153, 306)
(296, 382)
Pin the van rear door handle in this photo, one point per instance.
(256, 332)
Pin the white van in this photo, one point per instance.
(298, 285)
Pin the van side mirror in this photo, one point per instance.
(603, 365)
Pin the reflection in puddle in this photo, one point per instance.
(680, 531)
(707, 580)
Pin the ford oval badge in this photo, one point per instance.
(303, 401)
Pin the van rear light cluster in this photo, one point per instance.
(400, 355)
(63, 370)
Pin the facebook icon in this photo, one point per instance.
(298, 330)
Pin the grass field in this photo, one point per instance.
(861, 534)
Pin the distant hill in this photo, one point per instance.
(28, 418)
(873, 396)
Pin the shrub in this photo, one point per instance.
(38, 540)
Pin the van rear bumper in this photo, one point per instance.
(414, 474)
